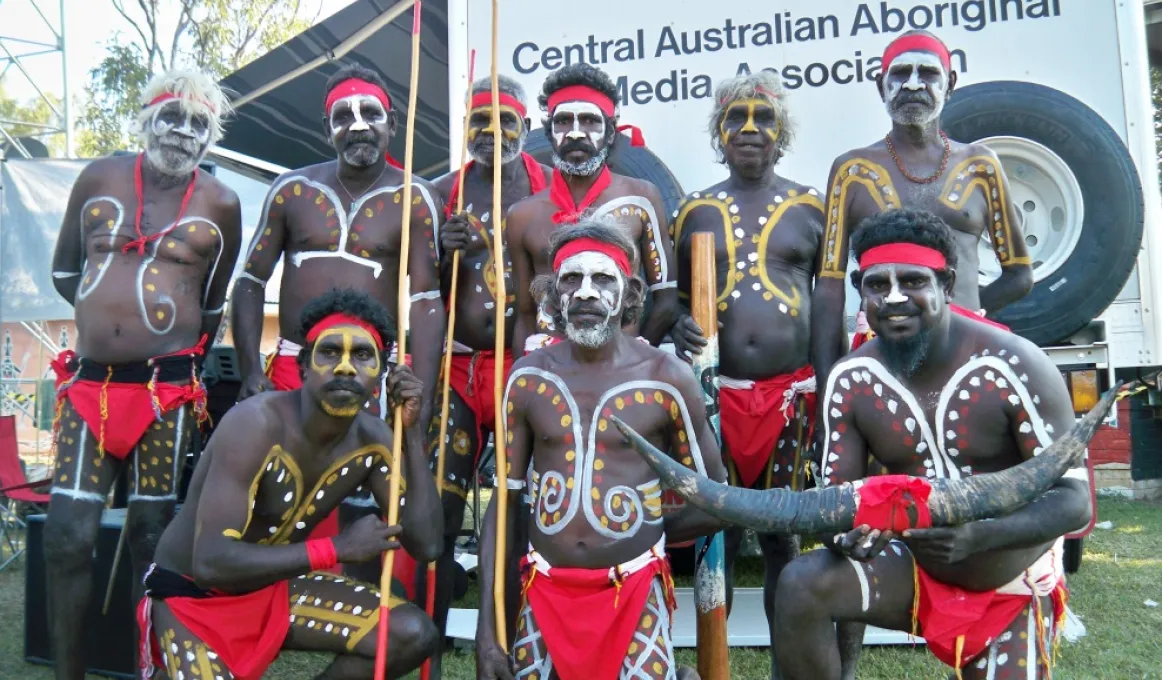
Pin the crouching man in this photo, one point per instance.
(235, 579)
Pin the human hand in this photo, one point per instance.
(491, 661)
(405, 389)
(367, 538)
(687, 337)
(861, 543)
(454, 234)
(253, 385)
(943, 545)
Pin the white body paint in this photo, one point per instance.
(344, 220)
(355, 104)
(895, 297)
(549, 500)
(915, 60)
(618, 209)
(589, 264)
(577, 108)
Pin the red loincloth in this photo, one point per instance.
(884, 502)
(586, 619)
(752, 420)
(136, 404)
(959, 624)
(283, 371)
(245, 631)
(472, 377)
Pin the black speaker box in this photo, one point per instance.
(110, 640)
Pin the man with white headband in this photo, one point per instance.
(597, 591)
(917, 166)
(581, 108)
(942, 395)
(338, 225)
(145, 255)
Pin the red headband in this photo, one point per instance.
(585, 245)
(341, 319)
(916, 42)
(167, 96)
(903, 253)
(581, 93)
(485, 99)
(354, 86)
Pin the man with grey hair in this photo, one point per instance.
(768, 230)
(597, 592)
(145, 254)
(471, 411)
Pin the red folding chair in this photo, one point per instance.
(16, 491)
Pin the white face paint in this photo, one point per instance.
(894, 296)
(589, 265)
(178, 137)
(577, 109)
(905, 76)
(356, 113)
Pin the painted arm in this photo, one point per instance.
(246, 310)
(1008, 242)
(518, 451)
(229, 221)
(827, 299)
(657, 253)
(69, 257)
(427, 316)
(522, 277)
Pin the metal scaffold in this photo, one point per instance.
(24, 43)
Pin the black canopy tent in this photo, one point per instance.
(284, 126)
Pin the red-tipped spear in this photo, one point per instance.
(426, 671)
(401, 342)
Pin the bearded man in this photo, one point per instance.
(598, 595)
(155, 230)
(767, 232)
(917, 166)
(236, 577)
(943, 396)
(339, 225)
(471, 411)
(581, 108)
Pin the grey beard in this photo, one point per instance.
(361, 156)
(905, 357)
(169, 161)
(587, 169)
(509, 152)
(590, 338)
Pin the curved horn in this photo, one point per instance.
(833, 508)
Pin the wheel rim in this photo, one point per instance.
(1048, 203)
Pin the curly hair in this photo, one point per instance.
(578, 74)
(763, 85)
(362, 73)
(905, 226)
(348, 301)
(633, 300)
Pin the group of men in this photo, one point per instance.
(254, 563)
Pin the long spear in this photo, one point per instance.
(401, 349)
(426, 671)
(710, 571)
(501, 497)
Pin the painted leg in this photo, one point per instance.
(849, 635)
(778, 551)
(81, 483)
(185, 655)
(1020, 652)
(820, 588)
(529, 653)
(338, 615)
(651, 653)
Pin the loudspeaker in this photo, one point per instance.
(110, 640)
(222, 379)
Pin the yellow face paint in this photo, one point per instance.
(751, 105)
(510, 135)
(346, 337)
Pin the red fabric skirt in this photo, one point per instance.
(752, 420)
(245, 631)
(283, 371)
(472, 378)
(586, 620)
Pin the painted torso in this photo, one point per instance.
(476, 287)
(131, 306)
(969, 197)
(767, 244)
(983, 413)
(333, 241)
(595, 502)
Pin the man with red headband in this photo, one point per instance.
(471, 411)
(580, 102)
(597, 591)
(917, 166)
(145, 255)
(237, 578)
(338, 224)
(939, 395)
(768, 229)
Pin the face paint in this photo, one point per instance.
(767, 125)
(349, 354)
(353, 121)
(915, 88)
(178, 138)
(590, 284)
(480, 139)
(578, 120)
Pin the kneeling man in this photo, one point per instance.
(235, 578)
(942, 396)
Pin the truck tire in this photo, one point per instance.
(1071, 559)
(1076, 191)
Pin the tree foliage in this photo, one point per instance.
(215, 36)
(36, 111)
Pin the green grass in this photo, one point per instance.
(1122, 569)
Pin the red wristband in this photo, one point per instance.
(321, 553)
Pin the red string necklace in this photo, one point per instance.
(139, 188)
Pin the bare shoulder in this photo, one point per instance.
(444, 183)
(547, 172)
(638, 187)
(974, 151)
(221, 197)
(669, 368)
(251, 426)
(103, 171)
(372, 430)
